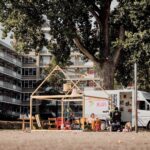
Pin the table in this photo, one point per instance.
(25, 120)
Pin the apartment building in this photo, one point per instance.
(10, 81)
(19, 76)
(29, 80)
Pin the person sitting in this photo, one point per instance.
(67, 125)
(91, 121)
(116, 119)
(71, 120)
(97, 124)
(128, 127)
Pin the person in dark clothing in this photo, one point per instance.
(116, 119)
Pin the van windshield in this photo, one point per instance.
(148, 100)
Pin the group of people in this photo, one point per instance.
(114, 122)
(94, 123)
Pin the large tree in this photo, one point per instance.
(87, 25)
(136, 45)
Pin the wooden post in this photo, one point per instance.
(30, 114)
(83, 109)
(62, 114)
(23, 122)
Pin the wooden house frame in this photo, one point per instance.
(63, 98)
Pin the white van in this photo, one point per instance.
(124, 100)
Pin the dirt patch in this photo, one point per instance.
(74, 140)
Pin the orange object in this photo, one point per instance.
(59, 122)
(97, 125)
(93, 125)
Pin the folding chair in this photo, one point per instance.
(52, 123)
(37, 118)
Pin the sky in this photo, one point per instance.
(114, 4)
(8, 40)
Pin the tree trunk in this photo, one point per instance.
(106, 73)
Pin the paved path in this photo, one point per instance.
(55, 140)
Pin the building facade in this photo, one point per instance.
(19, 76)
(10, 81)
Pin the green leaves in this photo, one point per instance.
(25, 20)
(97, 28)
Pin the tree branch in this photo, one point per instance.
(118, 50)
(105, 27)
(96, 8)
(92, 3)
(84, 51)
(95, 15)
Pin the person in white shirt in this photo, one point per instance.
(92, 120)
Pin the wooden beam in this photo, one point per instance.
(40, 97)
(72, 100)
(62, 114)
(56, 68)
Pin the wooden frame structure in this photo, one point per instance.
(62, 98)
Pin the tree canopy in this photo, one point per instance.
(137, 45)
(113, 40)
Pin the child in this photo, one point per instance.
(127, 127)
(91, 121)
(97, 125)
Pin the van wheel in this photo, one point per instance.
(148, 126)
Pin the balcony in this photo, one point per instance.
(42, 64)
(29, 77)
(83, 76)
(13, 113)
(10, 100)
(28, 90)
(33, 65)
(27, 103)
(10, 86)
(9, 72)
(10, 59)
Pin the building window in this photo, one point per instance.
(29, 83)
(26, 84)
(26, 97)
(34, 71)
(29, 71)
(29, 60)
(26, 71)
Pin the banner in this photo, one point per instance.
(95, 105)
